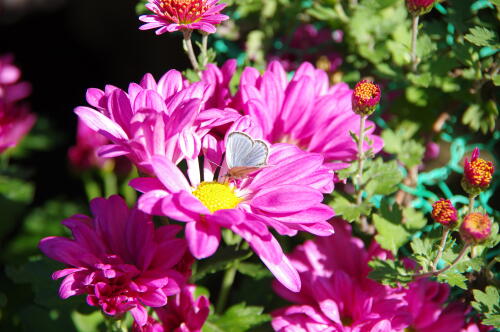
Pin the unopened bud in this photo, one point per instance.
(444, 213)
(365, 97)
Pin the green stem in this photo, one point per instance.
(414, 34)
(226, 285)
(446, 231)
(92, 188)
(455, 262)
(189, 49)
(204, 50)
(471, 203)
(110, 181)
(361, 159)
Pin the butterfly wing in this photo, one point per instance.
(257, 157)
(238, 146)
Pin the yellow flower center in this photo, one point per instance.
(366, 91)
(216, 196)
(477, 222)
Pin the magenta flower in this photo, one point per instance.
(118, 259)
(174, 15)
(167, 118)
(286, 196)
(336, 294)
(426, 304)
(15, 119)
(83, 155)
(183, 313)
(305, 111)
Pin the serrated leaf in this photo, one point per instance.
(381, 178)
(481, 36)
(348, 209)
(453, 278)
(389, 272)
(391, 234)
(238, 318)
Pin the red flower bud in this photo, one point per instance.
(444, 212)
(477, 174)
(419, 7)
(475, 228)
(365, 97)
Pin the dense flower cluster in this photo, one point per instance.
(15, 119)
(338, 296)
(173, 15)
(444, 212)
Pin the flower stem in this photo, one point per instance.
(189, 49)
(204, 50)
(226, 285)
(438, 272)
(361, 159)
(471, 203)
(414, 34)
(446, 231)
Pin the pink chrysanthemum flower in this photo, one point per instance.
(305, 111)
(426, 304)
(174, 15)
(15, 119)
(183, 313)
(165, 118)
(336, 294)
(287, 196)
(118, 259)
(83, 155)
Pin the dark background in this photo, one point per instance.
(65, 47)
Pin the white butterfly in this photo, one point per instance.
(245, 155)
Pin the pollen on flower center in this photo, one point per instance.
(183, 11)
(216, 196)
(482, 171)
(366, 90)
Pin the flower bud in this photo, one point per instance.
(475, 228)
(444, 212)
(477, 174)
(365, 97)
(419, 7)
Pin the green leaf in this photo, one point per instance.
(391, 234)
(413, 220)
(481, 36)
(254, 270)
(453, 278)
(381, 178)
(348, 209)
(389, 272)
(238, 318)
(221, 260)
(488, 303)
